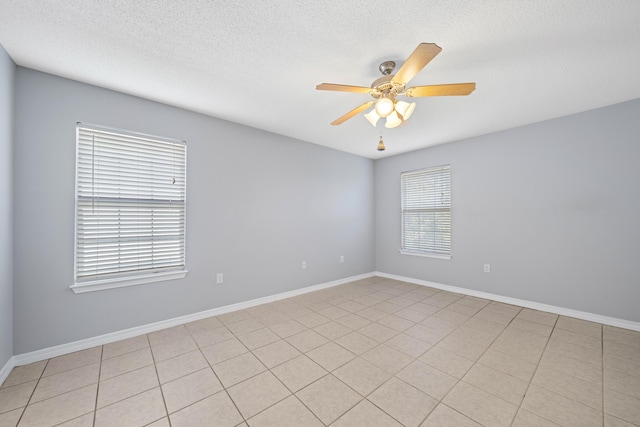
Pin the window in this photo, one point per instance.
(426, 212)
(130, 209)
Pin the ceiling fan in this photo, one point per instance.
(385, 89)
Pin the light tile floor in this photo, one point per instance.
(376, 352)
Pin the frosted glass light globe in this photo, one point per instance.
(384, 107)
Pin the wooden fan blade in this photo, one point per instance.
(352, 113)
(441, 90)
(343, 88)
(420, 57)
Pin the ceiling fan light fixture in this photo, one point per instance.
(405, 109)
(393, 120)
(373, 117)
(384, 107)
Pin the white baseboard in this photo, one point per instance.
(59, 350)
(605, 320)
(47, 353)
(6, 369)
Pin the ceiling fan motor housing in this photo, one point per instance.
(384, 86)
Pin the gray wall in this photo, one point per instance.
(258, 204)
(7, 75)
(553, 207)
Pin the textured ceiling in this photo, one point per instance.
(257, 62)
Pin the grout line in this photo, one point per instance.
(571, 375)
(155, 368)
(32, 392)
(458, 380)
(534, 374)
(95, 406)
(304, 354)
(281, 382)
(410, 385)
(309, 409)
(414, 359)
(307, 385)
(215, 373)
(504, 328)
(29, 401)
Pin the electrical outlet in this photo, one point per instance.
(219, 278)
(341, 258)
(304, 265)
(487, 268)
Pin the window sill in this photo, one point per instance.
(120, 282)
(426, 255)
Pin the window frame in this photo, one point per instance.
(134, 277)
(425, 253)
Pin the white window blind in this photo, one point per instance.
(426, 211)
(130, 205)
